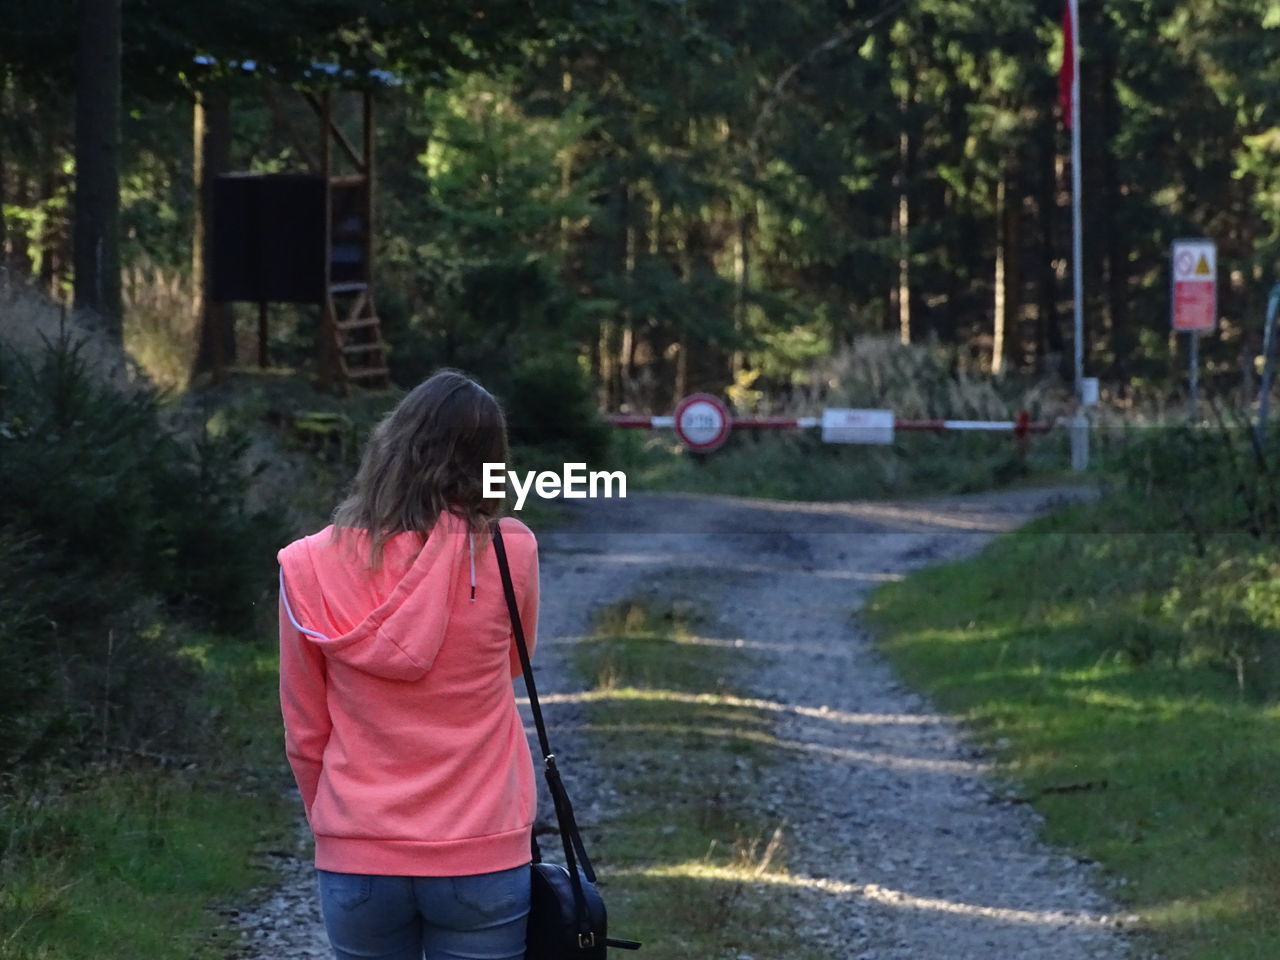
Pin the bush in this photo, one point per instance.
(95, 470)
(1200, 507)
(549, 404)
(109, 525)
(1210, 480)
(928, 381)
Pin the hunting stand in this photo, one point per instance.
(307, 238)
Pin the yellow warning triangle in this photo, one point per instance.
(1203, 266)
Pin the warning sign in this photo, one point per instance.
(1195, 285)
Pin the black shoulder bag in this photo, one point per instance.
(567, 918)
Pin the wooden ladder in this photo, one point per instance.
(353, 332)
(358, 347)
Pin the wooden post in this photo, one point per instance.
(328, 319)
(96, 232)
(369, 186)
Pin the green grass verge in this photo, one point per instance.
(127, 858)
(1085, 659)
(688, 867)
(765, 464)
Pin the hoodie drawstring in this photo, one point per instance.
(471, 546)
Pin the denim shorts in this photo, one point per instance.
(480, 917)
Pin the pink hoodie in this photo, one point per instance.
(400, 719)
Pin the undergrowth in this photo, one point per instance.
(126, 855)
(1123, 667)
(916, 382)
(685, 858)
(139, 732)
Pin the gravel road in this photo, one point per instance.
(899, 842)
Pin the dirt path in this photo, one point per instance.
(898, 845)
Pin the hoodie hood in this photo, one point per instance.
(389, 623)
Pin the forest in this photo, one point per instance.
(600, 207)
(658, 196)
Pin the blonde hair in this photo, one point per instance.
(426, 456)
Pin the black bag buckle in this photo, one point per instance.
(586, 940)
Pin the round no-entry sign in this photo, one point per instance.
(702, 422)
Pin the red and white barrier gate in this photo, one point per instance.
(703, 423)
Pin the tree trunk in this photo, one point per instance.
(97, 216)
(900, 212)
(211, 155)
(608, 364)
(4, 193)
(1123, 342)
(627, 254)
(999, 319)
(903, 224)
(741, 269)
(53, 235)
(1049, 342)
(1014, 294)
(681, 384)
(1008, 278)
(1096, 213)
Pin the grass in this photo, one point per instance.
(126, 858)
(917, 382)
(160, 329)
(688, 868)
(1080, 659)
(767, 464)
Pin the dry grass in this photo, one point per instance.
(29, 320)
(159, 324)
(159, 328)
(923, 381)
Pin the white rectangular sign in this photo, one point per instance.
(857, 426)
(1195, 285)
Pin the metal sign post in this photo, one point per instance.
(1194, 303)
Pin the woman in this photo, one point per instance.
(396, 661)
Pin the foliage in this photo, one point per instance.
(102, 509)
(473, 257)
(549, 404)
(159, 327)
(114, 856)
(1123, 679)
(1218, 479)
(916, 381)
(88, 467)
(799, 466)
(677, 192)
(927, 381)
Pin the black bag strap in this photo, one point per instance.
(569, 833)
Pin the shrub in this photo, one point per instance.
(94, 469)
(927, 381)
(109, 524)
(549, 403)
(1208, 496)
